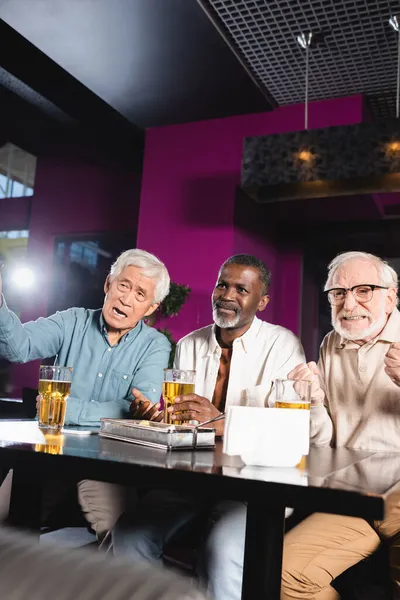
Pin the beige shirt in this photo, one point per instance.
(264, 353)
(362, 404)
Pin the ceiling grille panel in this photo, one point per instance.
(358, 53)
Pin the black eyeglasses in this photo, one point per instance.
(362, 293)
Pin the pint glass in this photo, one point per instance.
(54, 389)
(177, 382)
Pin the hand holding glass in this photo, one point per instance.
(54, 390)
(291, 393)
(177, 382)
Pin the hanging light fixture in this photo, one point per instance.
(304, 40)
(335, 161)
(394, 23)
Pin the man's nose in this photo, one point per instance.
(229, 294)
(349, 301)
(125, 299)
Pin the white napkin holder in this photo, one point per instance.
(268, 437)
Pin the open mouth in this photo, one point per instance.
(118, 313)
(356, 318)
(355, 321)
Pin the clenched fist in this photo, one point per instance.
(309, 372)
(392, 363)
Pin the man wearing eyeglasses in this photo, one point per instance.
(355, 404)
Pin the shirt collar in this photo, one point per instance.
(389, 333)
(246, 340)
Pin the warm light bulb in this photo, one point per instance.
(305, 155)
(394, 146)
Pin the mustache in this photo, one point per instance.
(226, 305)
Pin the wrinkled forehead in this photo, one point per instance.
(136, 275)
(355, 272)
(239, 274)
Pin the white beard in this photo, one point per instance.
(225, 322)
(373, 329)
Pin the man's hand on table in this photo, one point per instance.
(192, 407)
(309, 372)
(141, 408)
(392, 363)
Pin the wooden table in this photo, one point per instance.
(336, 481)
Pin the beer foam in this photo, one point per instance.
(55, 380)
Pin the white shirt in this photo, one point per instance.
(264, 353)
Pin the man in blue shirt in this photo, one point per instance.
(114, 355)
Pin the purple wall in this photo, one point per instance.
(70, 197)
(15, 213)
(187, 208)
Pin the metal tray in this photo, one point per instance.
(157, 435)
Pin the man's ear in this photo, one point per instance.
(152, 308)
(263, 303)
(107, 285)
(391, 300)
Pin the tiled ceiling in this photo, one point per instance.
(358, 53)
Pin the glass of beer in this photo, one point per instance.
(54, 389)
(290, 393)
(177, 382)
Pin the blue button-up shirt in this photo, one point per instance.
(103, 375)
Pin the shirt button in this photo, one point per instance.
(109, 350)
(363, 368)
(125, 376)
(100, 374)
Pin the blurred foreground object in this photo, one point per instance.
(41, 572)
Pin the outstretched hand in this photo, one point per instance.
(142, 408)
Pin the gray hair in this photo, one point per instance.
(151, 266)
(387, 274)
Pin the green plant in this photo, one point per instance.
(170, 307)
(172, 304)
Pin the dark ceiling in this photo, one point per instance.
(101, 71)
(122, 64)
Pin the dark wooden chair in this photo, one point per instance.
(29, 402)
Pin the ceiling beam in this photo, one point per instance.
(32, 75)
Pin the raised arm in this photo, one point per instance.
(21, 343)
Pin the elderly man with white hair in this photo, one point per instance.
(114, 356)
(355, 404)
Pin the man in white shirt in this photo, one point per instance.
(236, 361)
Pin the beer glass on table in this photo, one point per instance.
(291, 393)
(296, 394)
(177, 382)
(54, 390)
